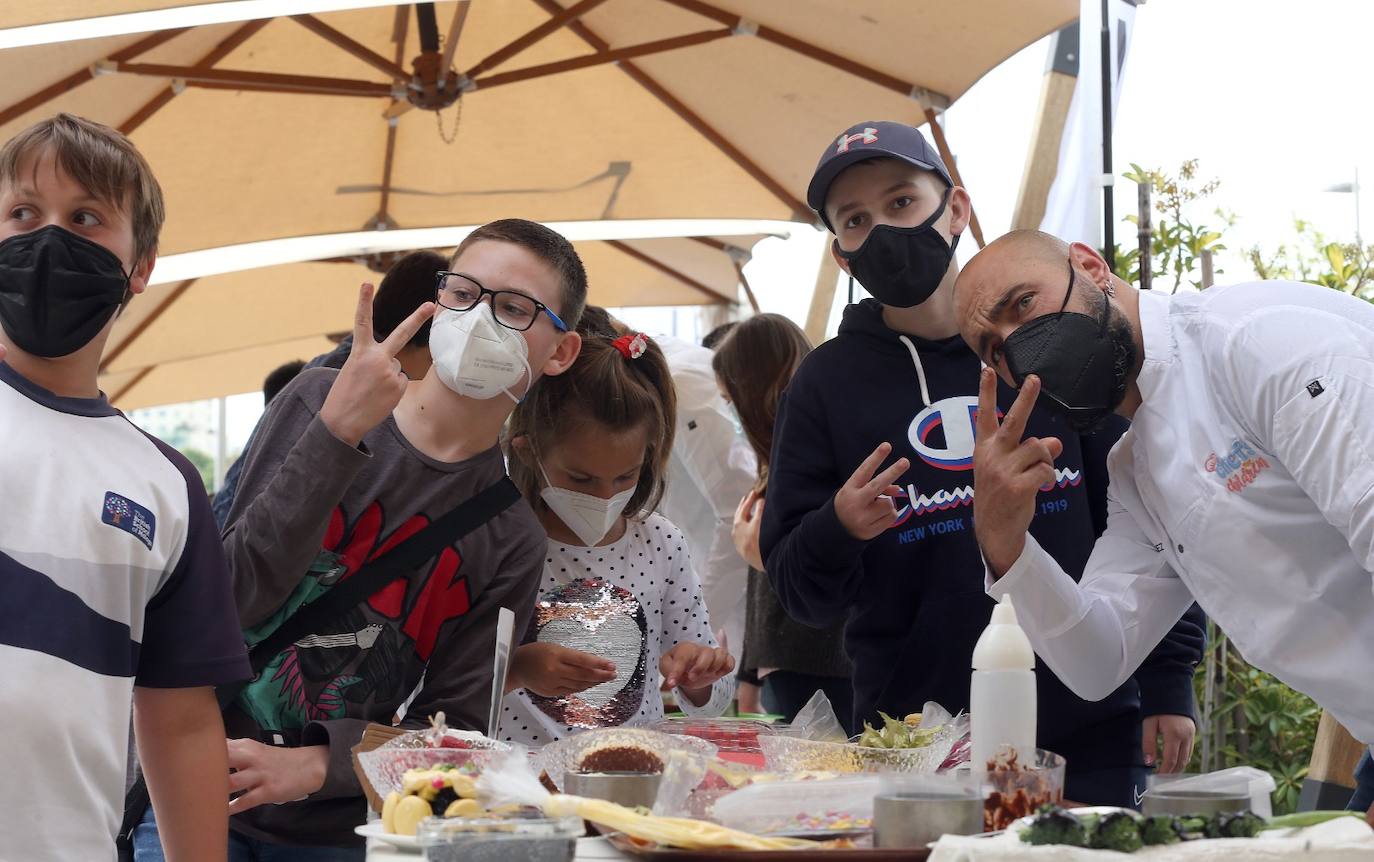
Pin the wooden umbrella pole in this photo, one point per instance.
(943, 146)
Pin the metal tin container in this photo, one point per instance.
(913, 820)
(626, 788)
(1181, 802)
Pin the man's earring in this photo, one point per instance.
(1110, 290)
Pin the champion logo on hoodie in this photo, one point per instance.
(953, 416)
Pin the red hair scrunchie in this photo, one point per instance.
(632, 346)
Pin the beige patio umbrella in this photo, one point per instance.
(428, 115)
(606, 109)
(220, 335)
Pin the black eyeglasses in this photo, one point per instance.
(512, 309)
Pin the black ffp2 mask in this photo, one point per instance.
(1083, 362)
(902, 266)
(57, 290)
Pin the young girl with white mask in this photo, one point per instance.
(620, 614)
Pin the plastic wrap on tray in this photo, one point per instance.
(790, 754)
(520, 839)
(799, 806)
(630, 749)
(728, 735)
(385, 765)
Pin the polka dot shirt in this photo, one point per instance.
(651, 561)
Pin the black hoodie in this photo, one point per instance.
(914, 597)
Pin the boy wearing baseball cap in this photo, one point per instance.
(872, 477)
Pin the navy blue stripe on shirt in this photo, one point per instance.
(39, 615)
(88, 407)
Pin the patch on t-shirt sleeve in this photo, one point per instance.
(126, 515)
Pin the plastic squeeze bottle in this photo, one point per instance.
(1002, 698)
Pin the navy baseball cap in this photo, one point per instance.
(873, 139)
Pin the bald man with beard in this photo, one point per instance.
(1246, 480)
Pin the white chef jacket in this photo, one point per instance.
(1246, 482)
(712, 468)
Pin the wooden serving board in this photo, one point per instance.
(625, 845)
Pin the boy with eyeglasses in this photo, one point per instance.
(347, 464)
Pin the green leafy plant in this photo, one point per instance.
(1246, 717)
(1178, 239)
(1310, 256)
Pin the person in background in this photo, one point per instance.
(280, 376)
(753, 365)
(713, 338)
(619, 603)
(408, 285)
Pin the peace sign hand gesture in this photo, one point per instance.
(371, 382)
(1007, 472)
(864, 503)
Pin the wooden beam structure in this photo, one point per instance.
(948, 158)
(226, 46)
(563, 18)
(927, 97)
(112, 354)
(243, 79)
(455, 31)
(1042, 160)
(357, 49)
(127, 387)
(669, 271)
(399, 31)
(76, 79)
(601, 58)
(822, 298)
(800, 211)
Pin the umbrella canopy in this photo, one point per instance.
(221, 335)
(605, 109)
(458, 113)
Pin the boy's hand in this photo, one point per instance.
(748, 517)
(269, 773)
(1008, 472)
(371, 382)
(693, 667)
(864, 504)
(1178, 732)
(553, 670)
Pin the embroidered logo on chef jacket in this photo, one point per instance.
(1237, 468)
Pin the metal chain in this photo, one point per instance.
(457, 118)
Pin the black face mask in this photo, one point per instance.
(57, 290)
(902, 266)
(1083, 362)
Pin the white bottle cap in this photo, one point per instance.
(1003, 645)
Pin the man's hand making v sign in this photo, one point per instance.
(1008, 472)
(371, 382)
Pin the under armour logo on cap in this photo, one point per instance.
(867, 136)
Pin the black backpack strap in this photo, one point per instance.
(373, 576)
(395, 563)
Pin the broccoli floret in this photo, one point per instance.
(1160, 829)
(1054, 825)
(1193, 826)
(1117, 831)
(1242, 825)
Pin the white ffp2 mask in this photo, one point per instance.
(587, 515)
(476, 356)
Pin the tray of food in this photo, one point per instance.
(830, 851)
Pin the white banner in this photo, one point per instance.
(1073, 210)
